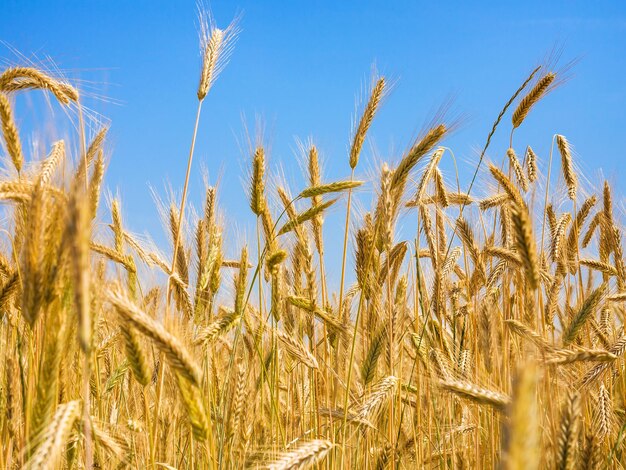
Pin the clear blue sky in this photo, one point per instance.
(300, 64)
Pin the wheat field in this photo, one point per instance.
(493, 337)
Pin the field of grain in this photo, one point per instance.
(492, 338)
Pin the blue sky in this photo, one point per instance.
(299, 65)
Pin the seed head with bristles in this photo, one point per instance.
(50, 164)
(177, 355)
(568, 432)
(421, 147)
(10, 133)
(531, 164)
(315, 180)
(22, 78)
(53, 439)
(377, 94)
(602, 415)
(493, 201)
(428, 172)
(257, 183)
(526, 245)
(568, 168)
(507, 185)
(216, 47)
(517, 168)
(534, 95)
(304, 455)
(472, 392)
(337, 186)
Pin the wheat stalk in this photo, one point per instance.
(10, 133)
(566, 162)
(534, 95)
(177, 355)
(305, 455)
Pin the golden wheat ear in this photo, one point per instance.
(305, 454)
(377, 93)
(54, 437)
(568, 168)
(10, 133)
(567, 443)
(23, 78)
(517, 168)
(534, 95)
(473, 392)
(178, 356)
(216, 46)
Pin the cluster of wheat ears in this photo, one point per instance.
(493, 338)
